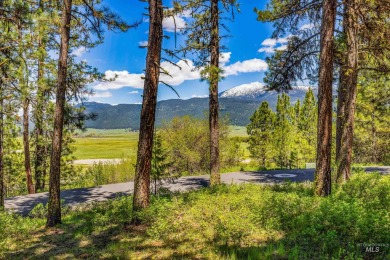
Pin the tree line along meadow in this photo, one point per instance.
(351, 55)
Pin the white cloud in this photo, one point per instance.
(269, 42)
(224, 57)
(187, 71)
(105, 94)
(199, 96)
(143, 44)
(186, 13)
(183, 70)
(307, 26)
(267, 49)
(134, 92)
(172, 23)
(282, 48)
(253, 65)
(122, 79)
(270, 45)
(79, 51)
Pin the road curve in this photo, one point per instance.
(24, 204)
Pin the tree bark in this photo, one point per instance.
(26, 146)
(341, 96)
(324, 129)
(40, 149)
(215, 177)
(350, 76)
(145, 143)
(54, 208)
(2, 186)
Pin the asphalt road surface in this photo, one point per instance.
(24, 204)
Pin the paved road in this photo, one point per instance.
(24, 204)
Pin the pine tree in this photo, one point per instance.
(204, 39)
(325, 81)
(298, 142)
(283, 130)
(365, 26)
(372, 131)
(160, 163)
(141, 197)
(54, 206)
(308, 125)
(91, 20)
(44, 33)
(260, 131)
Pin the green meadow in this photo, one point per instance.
(120, 143)
(105, 144)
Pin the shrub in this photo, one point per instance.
(106, 172)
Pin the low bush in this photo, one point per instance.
(107, 172)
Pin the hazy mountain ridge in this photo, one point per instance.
(239, 103)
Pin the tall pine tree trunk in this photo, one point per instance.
(39, 160)
(54, 208)
(40, 150)
(215, 177)
(26, 146)
(2, 186)
(349, 75)
(341, 96)
(324, 128)
(145, 143)
(25, 106)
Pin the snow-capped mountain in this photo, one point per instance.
(252, 90)
(257, 91)
(238, 103)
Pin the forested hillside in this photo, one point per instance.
(238, 109)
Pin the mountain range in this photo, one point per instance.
(239, 103)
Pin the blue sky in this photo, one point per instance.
(120, 55)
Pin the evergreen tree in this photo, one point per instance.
(54, 207)
(12, 15)
(364, 28)
(141, 197)
(44, 34)
(372, 131)
(260, 131)
(160, 163)
(325, 82)
(90, 17)
(308, 125)
(298, 142)
(204, 38)
(283, 131)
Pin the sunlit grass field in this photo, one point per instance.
(120, 143)
(105, 144)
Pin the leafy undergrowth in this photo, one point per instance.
(230, 222)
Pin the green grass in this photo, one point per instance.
(229, 222)
(105, 144)
(118, 143)
(239, 131)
